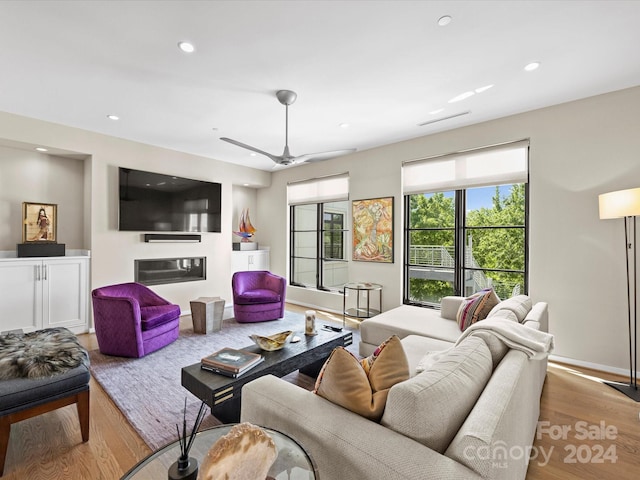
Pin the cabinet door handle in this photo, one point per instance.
(44, 268)
(37, 267)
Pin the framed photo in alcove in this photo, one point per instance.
(39, 223)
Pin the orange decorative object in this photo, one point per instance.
(245, 229)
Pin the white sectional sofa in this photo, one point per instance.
(471, 415)
(438, 328)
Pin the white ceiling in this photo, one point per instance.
(380, 66)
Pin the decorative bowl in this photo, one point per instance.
(277, 341)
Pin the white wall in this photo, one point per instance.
(113, 252)
(578, 150)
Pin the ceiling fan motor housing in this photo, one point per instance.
(286, 97)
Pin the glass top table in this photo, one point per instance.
(291, 463)
(361, 310)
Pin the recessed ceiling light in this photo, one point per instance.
(462, 96)
(344, 125)
(41, 149)
(532, 66)
(113, 117)
(186, 47)
(444, 20)
(483, 89)
(245, 184)
(434, 112)
(253, 154)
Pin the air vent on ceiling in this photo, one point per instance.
(444, 118)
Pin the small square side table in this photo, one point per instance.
(206, 313)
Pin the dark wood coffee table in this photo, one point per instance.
(223, 393)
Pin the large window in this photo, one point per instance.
(315, 225)
(460, 240)
(318, 212)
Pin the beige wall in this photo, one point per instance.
(113, 252)
(578, 150)
(30, 176)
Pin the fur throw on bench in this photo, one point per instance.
(40, 354)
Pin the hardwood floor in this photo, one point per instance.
(49, 447)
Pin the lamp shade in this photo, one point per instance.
(622, 203)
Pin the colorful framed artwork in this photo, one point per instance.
(39, 223)
(373, 230)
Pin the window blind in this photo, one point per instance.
(496, 165)
(332, 188)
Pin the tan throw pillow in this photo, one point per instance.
(476, 307)
(362, 387)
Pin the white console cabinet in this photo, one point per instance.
(249, 260)
(44, 293)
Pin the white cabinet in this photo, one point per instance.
(249, 260)
(47, 292)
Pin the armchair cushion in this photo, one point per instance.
(155, 315)
(259, 295)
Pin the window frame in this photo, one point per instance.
(320, 232)
(460, 230)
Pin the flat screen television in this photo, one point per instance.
(155, 202)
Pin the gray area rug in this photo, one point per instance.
(148, 390)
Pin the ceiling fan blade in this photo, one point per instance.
(275, 158)
(317, 157)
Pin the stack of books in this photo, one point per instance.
(230, 362)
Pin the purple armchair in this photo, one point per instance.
(132, 321)
(258, 296)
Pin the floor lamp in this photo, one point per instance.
(625, 204)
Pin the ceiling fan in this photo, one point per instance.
(286, 98)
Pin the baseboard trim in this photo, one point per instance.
(314, 307)
(554, 358)
(593, 366)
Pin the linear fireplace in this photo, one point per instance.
(157, 271)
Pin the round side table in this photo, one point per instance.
(362, 310)
(293, 462)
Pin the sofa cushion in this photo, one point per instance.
(408, 320)
(520, 305)
(497, 347)
(363, 386)
(417, 346)
(431, 407)
(476, 307)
